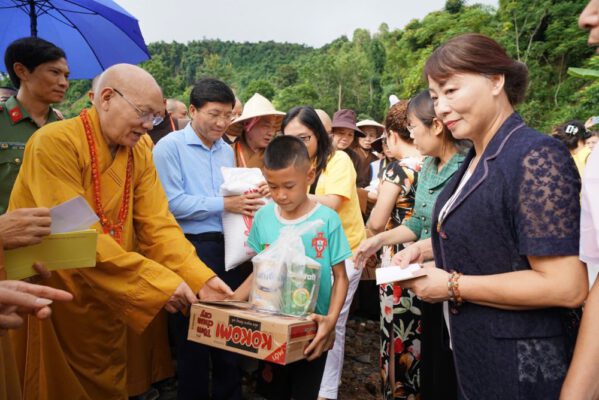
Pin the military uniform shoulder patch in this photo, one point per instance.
(15, 114)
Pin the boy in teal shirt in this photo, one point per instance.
(289, 174)
(327, 245)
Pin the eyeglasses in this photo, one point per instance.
(145, 116)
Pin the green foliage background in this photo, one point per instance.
(362, 72)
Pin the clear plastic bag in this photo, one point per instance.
(286, 281)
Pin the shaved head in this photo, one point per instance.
(126, 98)
(325, 119)
(176, 108)
(134, 82)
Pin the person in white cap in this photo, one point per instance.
(257, 125)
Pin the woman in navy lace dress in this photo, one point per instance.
(507, 229)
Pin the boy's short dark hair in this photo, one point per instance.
(210, 90)
(31, 52)
(285, 151)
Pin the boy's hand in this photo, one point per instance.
(324, 339)
(238, 295)
(242, 293)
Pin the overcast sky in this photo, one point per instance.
(312, 22)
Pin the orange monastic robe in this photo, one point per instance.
(10, 387)
(148, 354)
(246, 157)
(81, 351)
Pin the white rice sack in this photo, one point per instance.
(236, 227)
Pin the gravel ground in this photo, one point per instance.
(361, 376)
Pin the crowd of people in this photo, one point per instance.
(503, 220)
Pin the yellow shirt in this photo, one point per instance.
(81, 351)
(580, 158)
(339, 178)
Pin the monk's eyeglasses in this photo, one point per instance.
(145, 116)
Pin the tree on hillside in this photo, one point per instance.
(214, 66)
(454, 6)
(287, 75)
(261, 86)
(300, 94)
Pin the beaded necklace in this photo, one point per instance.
(113, 229)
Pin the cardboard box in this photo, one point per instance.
(234, 327)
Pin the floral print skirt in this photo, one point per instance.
(400, 337)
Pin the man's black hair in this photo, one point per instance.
(210, 90)
(31, 52)
(285, 151)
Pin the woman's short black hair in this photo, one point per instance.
(31, 52)
(210, 90)
(308, 117)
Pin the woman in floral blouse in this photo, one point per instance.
(396, 200)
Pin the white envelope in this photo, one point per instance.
(394, 273)
(72, 215)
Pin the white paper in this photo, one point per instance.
(72, 215)
(394, 273)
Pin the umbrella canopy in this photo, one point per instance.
(94, 34)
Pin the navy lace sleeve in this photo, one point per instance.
(547, 209)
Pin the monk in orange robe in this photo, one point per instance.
(144, 262)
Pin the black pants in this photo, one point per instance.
(193, 359)
(437, 372)
(298, 381)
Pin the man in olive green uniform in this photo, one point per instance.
(38, 69)
(15, 129)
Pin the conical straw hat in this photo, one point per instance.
(256, 106)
